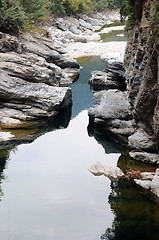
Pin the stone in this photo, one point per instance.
(50, 56)
(95, 37)
(151, 158)
(42, 100)
(155, 185)
(71, 73)
(84, 24)
(113, 173)
(149, 181)
(111, 104)
(100, 81)
(77, 38)
(143, 183)
(75, 30)
(5, 136)
(147, 175)
(141, 140)
(97, 169)
(114, 62)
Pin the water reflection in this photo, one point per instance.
(82, 96)
(111, 143)
(115, 35)
(136, 217)
(4, 156)
(34, 129)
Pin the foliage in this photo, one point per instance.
(127, 12)
(56, 8)
(154, 16)
(17, 15)
(12, 16)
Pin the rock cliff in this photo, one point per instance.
(141, 65)
(134, 111)
(140, 96)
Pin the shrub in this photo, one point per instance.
(154, 16)
(12, 16)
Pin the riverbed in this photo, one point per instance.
(48, 193)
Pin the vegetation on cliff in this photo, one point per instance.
(17, 15)
(131, 11)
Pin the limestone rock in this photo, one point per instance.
(149, 181)
(141, 140)
(100, 81)
(113, 173)
(111, 104)
(85, 24)
(151, 158)
(40, 99)
(114, 62)
(97, 169)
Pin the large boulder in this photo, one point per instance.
(111, 104)
(26, 101)
(141, 140)
(100, 80)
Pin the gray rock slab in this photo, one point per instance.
(149, 181)
(145, 157)
(100, 80)
(111, 104)
(43, 99)
(141, 140)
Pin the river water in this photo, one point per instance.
(47, 192)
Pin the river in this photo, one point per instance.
(47, 192)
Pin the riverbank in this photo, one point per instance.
(76, 50)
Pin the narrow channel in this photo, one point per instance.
(48, 193)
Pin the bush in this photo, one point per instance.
(154, 16)
(12, 16)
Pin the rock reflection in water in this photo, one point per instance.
(34, 129)
(111, 143)
(136, 217)
(28, 135)
(4, 155)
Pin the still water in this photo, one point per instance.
(47, 192)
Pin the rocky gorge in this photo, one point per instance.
(133, 111)
(36, 72)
